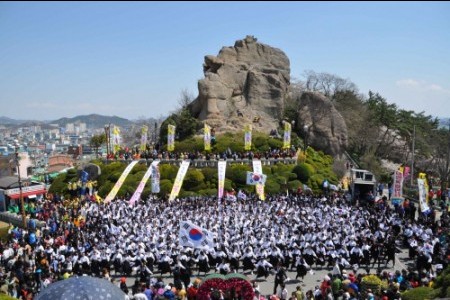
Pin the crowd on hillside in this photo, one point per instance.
(299, 232)
(130, 153)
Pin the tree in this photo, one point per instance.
(96, 142)
(186, 124)
(326, 83)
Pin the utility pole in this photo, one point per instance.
(413, 150)
(448, 158)
(24, 217)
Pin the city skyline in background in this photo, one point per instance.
(63, 59)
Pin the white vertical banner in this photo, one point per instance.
(137, 194)
(179, 179)
(120, 181)
(398, 185)
(257, 168)
(155, 177)
(222, 166)
(422, 195)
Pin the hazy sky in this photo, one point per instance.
(132, 59)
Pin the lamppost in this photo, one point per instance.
(108, 135)
(413, 150)
(24, 217)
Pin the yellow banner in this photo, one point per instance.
(287, 135)
(248, 137)
(179, 180)
(144, 131)
(120, 181)
(171, 138)
(116, 139)
(207, 138)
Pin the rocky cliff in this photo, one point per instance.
(249, 83)
(243, 84)
(325, 127)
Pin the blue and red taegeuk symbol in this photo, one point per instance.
(256, 178)
(195, 234)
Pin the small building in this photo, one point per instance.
(10, 191)
(362, 185)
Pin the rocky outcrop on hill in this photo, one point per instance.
(243, 84)
(325, 127)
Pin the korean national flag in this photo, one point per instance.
(194, 236)
(255, 178)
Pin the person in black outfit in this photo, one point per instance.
(280, 277)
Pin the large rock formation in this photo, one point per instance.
(325, 127)
(243, 84)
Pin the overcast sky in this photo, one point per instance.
(133, 59)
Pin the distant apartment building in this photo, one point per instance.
(70, 128)
(82, 127)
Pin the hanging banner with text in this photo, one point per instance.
(422, 195)
(207, 138)
(112, 194)
(222, 166)
(287, 135)
(248, 137)
(144, 131)
(137, 194)
(170, 138)
(179, 180)
(155, 177)
(116, 139)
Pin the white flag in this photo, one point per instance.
(194, 236)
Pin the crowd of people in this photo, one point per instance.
(298, 232)
(273, 153)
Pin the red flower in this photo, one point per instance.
(231, 288)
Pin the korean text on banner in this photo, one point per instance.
(144, 131)
(116, 139)
(155, 177)
(207, 138)
(248, 137)
(287, 135)
(179, 180)
(137, 194)
(222, 165)
(398, 185)
(422, 195)
(120, 181)
(170, 138)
